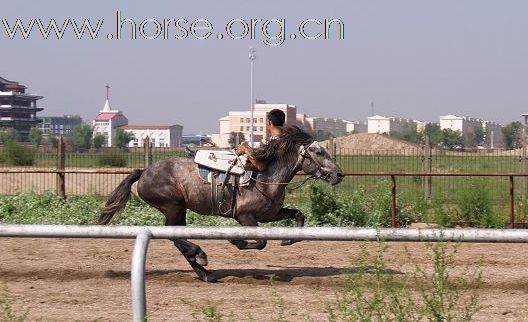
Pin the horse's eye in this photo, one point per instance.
(319, 152)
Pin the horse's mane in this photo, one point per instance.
(285, 148)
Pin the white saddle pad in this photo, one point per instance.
(221, 160)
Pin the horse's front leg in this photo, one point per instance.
(248, 220)
(285, 214)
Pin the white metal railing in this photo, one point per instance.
(144, 234)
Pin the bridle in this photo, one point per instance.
(303, 155)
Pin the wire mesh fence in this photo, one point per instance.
(410, 160)
(15, 176)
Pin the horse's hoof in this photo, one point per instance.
(209, 278)
(201, 259)
(289, 242)
(240, 244)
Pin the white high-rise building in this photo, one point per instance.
(355, 126)
(388, 125)
(467, 126)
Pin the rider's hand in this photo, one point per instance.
(241, 149)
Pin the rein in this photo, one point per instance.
(304, 155)
(286, 183)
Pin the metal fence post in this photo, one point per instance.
(148, 152)
(137, 276)
(61, 156)
(524, 160)
(427, 168)
(393, 201)
(512, 204)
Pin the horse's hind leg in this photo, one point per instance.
(195, 256)
(243, 244)
(286, 213)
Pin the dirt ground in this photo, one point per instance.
(88, 279)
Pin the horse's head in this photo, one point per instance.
(296, 150)
(315, 160)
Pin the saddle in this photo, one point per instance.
(223, 161)
(225, 172)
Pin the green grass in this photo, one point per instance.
(321, 205)
(10, 311)
(84, 210)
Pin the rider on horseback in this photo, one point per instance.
(274, 124)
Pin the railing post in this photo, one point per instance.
(427, 168)
(393, 201)
(148, 152)
(61, 156)
(137, 276)
(525, 160)
(512, 204)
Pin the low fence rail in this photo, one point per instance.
(142, 236)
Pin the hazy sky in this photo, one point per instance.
(413, 58)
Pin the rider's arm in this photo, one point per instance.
(259, 165)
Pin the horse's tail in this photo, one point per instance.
(119, 197)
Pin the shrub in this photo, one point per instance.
(475, 206)
(358, 208)
(446, 215)
(323, 203)
(112, 160)
(444, 297)
(18, 155)
(333, 209)
(374, 292)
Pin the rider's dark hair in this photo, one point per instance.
(286, 148)
(276, 117)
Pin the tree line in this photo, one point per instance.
(449, 139)
(80, 139)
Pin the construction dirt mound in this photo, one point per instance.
(380, 144)
(371, 142)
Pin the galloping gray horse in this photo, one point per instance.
(173, 185)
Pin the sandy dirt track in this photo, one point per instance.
(88, 280)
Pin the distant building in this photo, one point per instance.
(59, 125)
(240, 121)
(420, 126)
(388, 125)
(107, 121)
(493, 137)
(159, 135)
(336, 127)
(18, 110)
(356, 126)
(192, 140)
(467, 126)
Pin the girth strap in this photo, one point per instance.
(218, 195)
